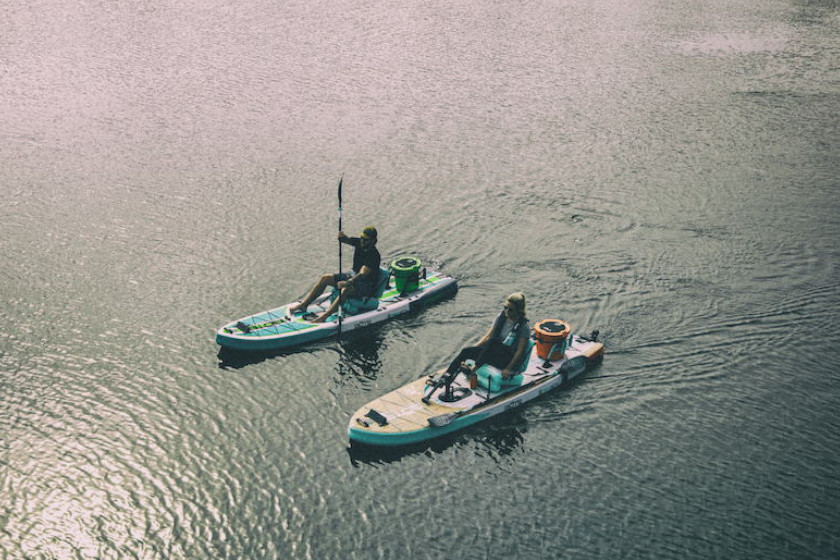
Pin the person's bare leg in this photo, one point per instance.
(317, 290)
(330, 310)
(345, 293)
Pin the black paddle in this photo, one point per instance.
(340, 314)
(340, 182)
(442, 420)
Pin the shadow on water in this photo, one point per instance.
(238, 359)
(360, 355)
(499, 436)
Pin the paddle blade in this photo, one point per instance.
(442, 420)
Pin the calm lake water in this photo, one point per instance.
(667, 173)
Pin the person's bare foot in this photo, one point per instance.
(295, 308)
(319, 319)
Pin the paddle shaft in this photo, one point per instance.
(340, 181)
(340, 314)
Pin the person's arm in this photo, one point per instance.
(342, 237)
(491, 331)
(364, 273)
(486, 337)
(517, 357)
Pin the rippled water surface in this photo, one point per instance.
(664, 172)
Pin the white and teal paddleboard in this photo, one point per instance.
(277, 329)
(422, 409)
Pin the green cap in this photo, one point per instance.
(369, 232)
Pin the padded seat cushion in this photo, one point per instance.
(354, 306)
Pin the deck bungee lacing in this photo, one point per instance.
(273, 321)
(276, 319)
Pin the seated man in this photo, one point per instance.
(361, 282)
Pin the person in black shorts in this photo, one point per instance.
(361, 282)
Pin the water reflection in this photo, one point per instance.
(814, 12)
(238, 359)
(360, 354)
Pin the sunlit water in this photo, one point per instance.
(666, 173)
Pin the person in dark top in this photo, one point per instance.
(503, 346)
(361, 282)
